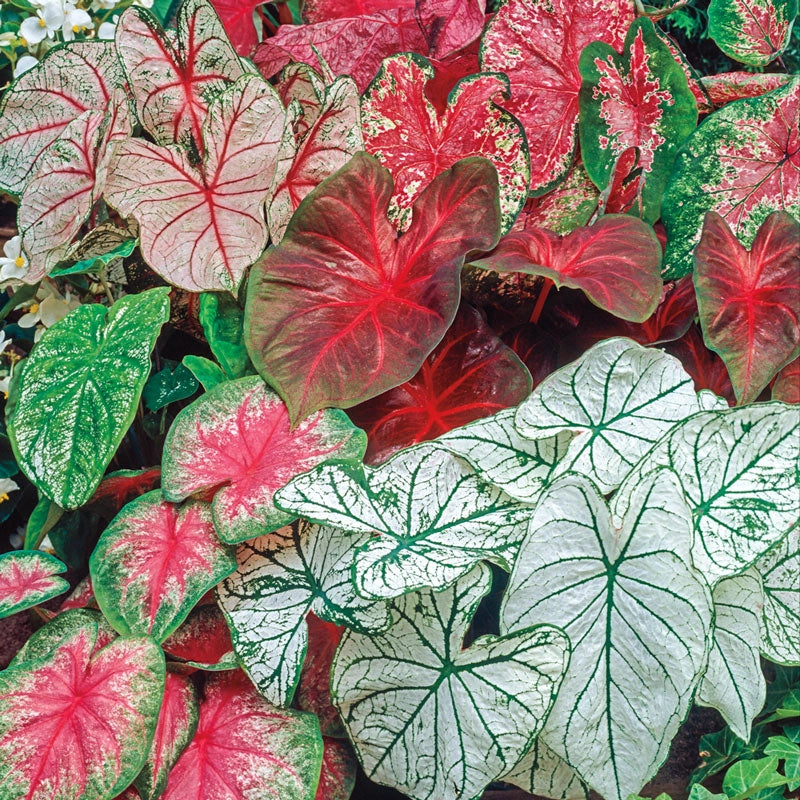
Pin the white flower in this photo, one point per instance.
(14, 264)
(104, 4)
(4, 343)
(23, 65)
(6, 487)
(47, 21)
(77, 21)
(50, 308)
(4, 382)
(143, 3)
(107, 30)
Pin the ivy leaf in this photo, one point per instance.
(203, 641)
(748, 778)
(27, 578)
(729, 86)
(787, 750)
(543, 773)
(168, 386)
(403, 694)
(75, 395)
(723, 747)
(780, 570)
(786, 387)
(638, 616)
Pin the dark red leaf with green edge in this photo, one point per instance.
(236, 17)
(122, 486)
(246, 749)
(404, 130)
(536, 348)
(342, 310)
(543, 70)
(749, 302)
(470, 374)
(326, 10)
(786, 386)
(729, 86)
(203, 640)
(706, 367)
(27, 578)
(129, 794)
(450, 25)
(338, 776)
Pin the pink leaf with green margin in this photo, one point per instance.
(77, 724)
(246, 749)
(543, 70)
(339, 766)
(729, 86)
(236, 17)
(749, 302)
(27, 578)
(326, 10)
(154, 562)
(786, 387)
(203, 641)
(450, 25)
(416, 142)
(342, 309)
(238, 437)
(201, 227)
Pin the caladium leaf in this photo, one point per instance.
(203, 641)
(729, 86)
(168, 385)
(236, 17)
(154, 562)
(314, 688)
(417, 142)
(786, 387)
(75, 395)
(305, 85)
(338, 776)
(329, 311)
(82, 596)
(222, 319)
(101, 249)
(120, 487)
(402, 694)
(280, 578)
(742, 163)
(27, 578)
(78, 722)
(748, 300)
(201, 227)
(450, 25)
(638, 616)
(637, 99)
(705, 366)
(754, 33)
(238, 437)
(325, 10)
(543, 773)
(780, 570)
(568, 206)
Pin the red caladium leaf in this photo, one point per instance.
(469, 375)
(77, 723)
(706, 367)
(119, 488)
(246, 749)
(201, 227)
(342, 310)
(624, 189)
(448, 72)
(338, 776)
(238, 437)
(543, 69)
(749, 302)
(154, 562)
(416, 142)
(729, 86)
(27, 578)
(203, 641)
(450, 25)
(80, 597)
(325, 10)
(236, 17)
(536, 348)
(786, 386)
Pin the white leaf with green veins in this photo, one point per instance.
(780, 571)
(435, 721)
(638, 617)
(543, 773)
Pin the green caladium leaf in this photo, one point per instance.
(436, 518)
(433, 720)
(75, 395)
(222, 319)
(543, 773)
(207, 372)
(281, 576)
(638, 616)
(780, 570)
(93, 255)
(27, 578)
(168, 386)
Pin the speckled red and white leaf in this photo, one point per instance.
(543, 69)
(749, 302)
(154, 562)
(450, 25)
(335, 316)
(236, 17)
(313, 691)
(38, 106)
(325, 10)
(174, 78)
(246, 749)
(27, 578)
(416, 143)
(203, 641)
(338, 776)
(76, 724)
(202, 226)
(238, 437)
(706, 368)
(471, 374)
(729, 86)
(786, 386)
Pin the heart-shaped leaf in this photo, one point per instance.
(203, 641)
(786, 386)
(729, 86)
(27, 578)
(754, 33)
(236, 17)
(339, 768)
(780, 570)
(450, 25)
(543, 773)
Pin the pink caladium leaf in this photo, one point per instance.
(543, 70)
(786, 386)
(202, 226)
(154, 562)
(450, 25)
(342, 310)
(245, 748)
(238, 437)
(470, 374)
(729, 86)
(749, 301)
(203, 641)
(339, 766)
(77, 722)
(27, 578)
(236, 17)
(416, 142)
(706, 368)
(326, 10)
(624, 189)
(313, 691)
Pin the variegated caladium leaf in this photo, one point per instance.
(786, 386)
(339, 766)
(27, 578)
(618, 399)
(202, 226)
(734, 683)
(742, 162)
(450, 25)
(335, 317)
(543, 70)
(280, 578)
(638, 616)
(542, 772)
(637, 99)
(77, 722)
(238, 437)
(75, 395)
(705, 366)
(304, 84)
(755, 32)
(326, 10)
(203, 641)
(729, 86)
(154, 562)
(417, 142)
(748, 299)
(435, 518)
(568, 206)
(36, 109)
(436, 721)
(246, 749)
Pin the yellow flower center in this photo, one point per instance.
(77, 28)
(19, 261)
(42, 23)
(3, 497)
(34, 308)
(23, 41)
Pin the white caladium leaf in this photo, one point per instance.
(619, 398)
(280, 578)
(433, 720)
(734, 683)
(436, 518)
(29, 577)
(543, 773)
(638, 616)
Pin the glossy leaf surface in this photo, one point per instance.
(27, 578)
(780, 570)
(754, 32)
